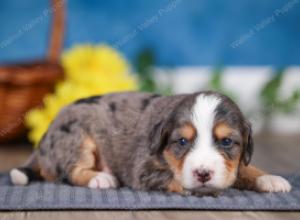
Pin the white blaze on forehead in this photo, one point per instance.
(204, 154)
(203, 115)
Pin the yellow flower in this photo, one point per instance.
(89, 70)
(85, 61)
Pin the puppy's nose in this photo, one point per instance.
(203, 175)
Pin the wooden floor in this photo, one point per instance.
(149, 215)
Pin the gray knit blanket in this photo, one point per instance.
(49, 196)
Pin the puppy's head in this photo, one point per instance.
(203, 142)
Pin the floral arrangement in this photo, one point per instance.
(89, 70)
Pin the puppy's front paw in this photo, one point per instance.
(103, 181)
(272, 183)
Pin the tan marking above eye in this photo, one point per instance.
(223, 130)
(188, 131)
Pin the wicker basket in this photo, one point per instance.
(23, 85)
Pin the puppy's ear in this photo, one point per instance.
(248, 144)
(158, 137)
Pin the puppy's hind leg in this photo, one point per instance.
(90, 169)
(27, 173)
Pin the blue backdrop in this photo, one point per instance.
(181, 32)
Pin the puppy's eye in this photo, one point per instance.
(183, 141)
(226, 142)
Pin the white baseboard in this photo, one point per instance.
(245, 83)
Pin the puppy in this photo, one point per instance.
(192, 143)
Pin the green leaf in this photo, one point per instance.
(270, 99)
(216, 83)
(145, 60)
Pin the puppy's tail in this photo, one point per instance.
(30, 171)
